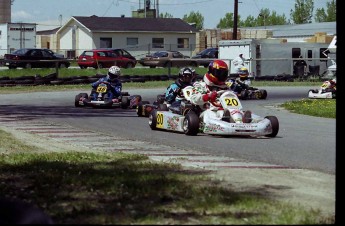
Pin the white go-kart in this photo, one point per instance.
(223, 117)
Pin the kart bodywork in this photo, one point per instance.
(324, 92)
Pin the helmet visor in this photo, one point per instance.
(221, 75)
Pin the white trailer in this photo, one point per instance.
(273, 56)
(16, 36)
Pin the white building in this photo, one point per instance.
(137, 35)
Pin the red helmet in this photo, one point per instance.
(217, 73)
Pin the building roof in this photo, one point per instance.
(48, 32)
(130, 24)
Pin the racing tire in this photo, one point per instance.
(141, 109)
(263, 94)
(163, 107)
(76, 101)
(333, 95)
(124, 102)
(275, 126)
(191, 124)
(153, 120)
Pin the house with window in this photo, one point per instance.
(140, 36)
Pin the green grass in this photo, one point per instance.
(117, 188)
(315, 107)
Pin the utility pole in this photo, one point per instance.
(234, 33)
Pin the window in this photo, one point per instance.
(106, 42)
(310, 54)
(157, 43)
(182, 42)
(296, 52)
(132, 41)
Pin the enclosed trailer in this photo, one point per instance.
(274, 56)
(15, 36)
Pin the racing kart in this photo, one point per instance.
(246, 92)
(324, 92)
(103, 101)
(223, 117)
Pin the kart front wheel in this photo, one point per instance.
(191, 124)
(153, 119)
(275, 126)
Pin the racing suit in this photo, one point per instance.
(174, 95)
(238, 85)
(115, 85)
(199, 90)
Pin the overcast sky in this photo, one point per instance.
(49, 14)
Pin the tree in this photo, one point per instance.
(195, 17)
(227, 21)
(303, 12)
(322, 16)
(166, 15)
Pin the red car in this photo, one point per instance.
(105, 58)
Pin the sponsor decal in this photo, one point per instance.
(173, 122)
(213, 128)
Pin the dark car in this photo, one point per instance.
(35, 58)
(105, 58)
(167, 59)
(206, 56)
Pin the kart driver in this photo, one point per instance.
(205, 91)
(240, 83)
(173, 94)
(330, 86)
(112, 78)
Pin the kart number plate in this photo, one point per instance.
(231, 102)
(101, 89)
(160, 120)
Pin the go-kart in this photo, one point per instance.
(144, 108)
(229, 119)
(103, 101)
(246, 92)
(324, 92)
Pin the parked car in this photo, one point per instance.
(35, 58)
(206, 56)
(105, 58)
(167, 59)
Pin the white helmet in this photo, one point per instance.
(114, 72)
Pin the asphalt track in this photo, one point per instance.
(303, 142)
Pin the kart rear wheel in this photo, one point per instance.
(78, 97)
(263, 94)
(141, 108)
(275, 126)
(191, 124)
(124, 102)
(153, 120)
(76, 100)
